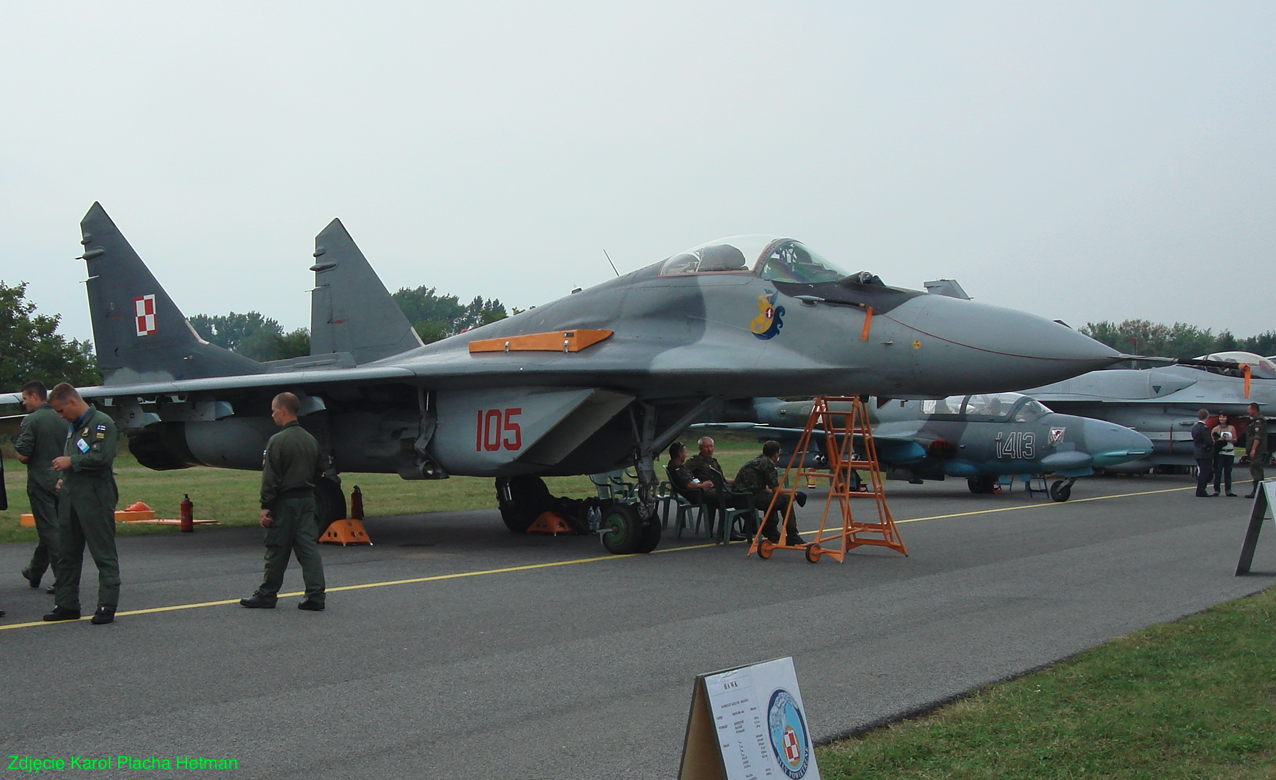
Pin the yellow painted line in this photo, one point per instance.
(533, 566)
(1044, 505)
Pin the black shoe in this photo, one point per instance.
(62, 613)
(795, 541)
(310, 606)
(1215, 493)
(736, 536)
(257, 601)
(1202, 495)
(49, 590)
(102, 616)
(1233, 495)
(1249, 495)
(32, 581)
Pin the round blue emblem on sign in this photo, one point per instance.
(787, 729)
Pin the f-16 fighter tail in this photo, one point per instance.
(139, 333)
(350, 309)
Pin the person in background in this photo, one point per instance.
(1224, 453)
(1256, 447)
(1202, 452)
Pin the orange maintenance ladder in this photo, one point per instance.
(840, 430)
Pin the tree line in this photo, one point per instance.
(1180, 340)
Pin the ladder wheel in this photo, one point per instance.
(813, 553)
(764, 549)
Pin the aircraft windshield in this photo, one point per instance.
(792, 261)
(1259, 366)
(776, 259)
(996, 406)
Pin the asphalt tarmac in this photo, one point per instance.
(454, 648)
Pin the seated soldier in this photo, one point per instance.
(760, 478)
(695, 474)
(683, 480)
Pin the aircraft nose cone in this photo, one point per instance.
(993, 348)
(1111, 444)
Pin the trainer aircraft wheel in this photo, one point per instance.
(620, 529)
(981, 484)
(1060, 491)
(813, 553)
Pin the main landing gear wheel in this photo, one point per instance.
(330, 504)
(520, 500)
(650, 537)
(982, 484)
(622, 530)
(765, 548)
(1061, 491)
(813, 553)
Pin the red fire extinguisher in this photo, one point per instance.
(188, 516)
(356, 503)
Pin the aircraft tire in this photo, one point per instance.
(981, 484)
(330, 504)
(622, 529)
(525, 495)
(1060, 491)
(650, 537)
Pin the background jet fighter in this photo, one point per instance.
(595, 381)
(1161, 403)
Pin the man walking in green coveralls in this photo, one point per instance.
(86, 508)
(290, 471)
(42, 439)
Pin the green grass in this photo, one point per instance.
(230, 497)
(1191, 699)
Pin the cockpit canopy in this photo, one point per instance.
(1259, 366)
(772, 258)
(987, 407)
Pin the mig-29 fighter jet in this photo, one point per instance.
(979, 437)
(599, 380)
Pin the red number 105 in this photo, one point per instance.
(496, 428)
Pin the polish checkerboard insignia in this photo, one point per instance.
(144, 312)
(790, 743)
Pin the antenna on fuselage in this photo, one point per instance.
(613, 265)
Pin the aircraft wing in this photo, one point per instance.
(279, 381)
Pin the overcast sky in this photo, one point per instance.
(1079, 161)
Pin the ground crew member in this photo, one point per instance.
(759, 477)
(1256, 444)
(86, 508)
(291, 469)
(42, 439)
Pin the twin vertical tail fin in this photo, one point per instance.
(139, 333)
(350, 309)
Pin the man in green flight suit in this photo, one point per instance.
(42, 439)
(291, 468)
(759, 477)
(86, 508)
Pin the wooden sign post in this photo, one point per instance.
(1264, 500)
(748, 723)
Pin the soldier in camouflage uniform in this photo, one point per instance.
(42, 439)
(86, 507)
(760, 477)
(291, 468)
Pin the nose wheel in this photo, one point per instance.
(1061, 490)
